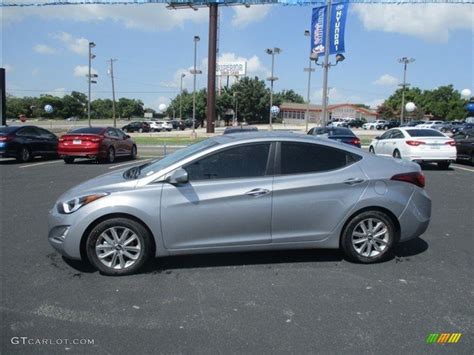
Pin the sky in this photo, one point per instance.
(44, 49)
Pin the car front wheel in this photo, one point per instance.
(368, 237)
(133, 153)
(118, 246)
(371, 150)
(24, 155)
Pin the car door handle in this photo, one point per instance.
(353, 181)
(257, 192)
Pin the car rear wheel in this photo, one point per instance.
(133, 153)
(24, 155)
(368, 237)
(118, 246)
(371, 150)
(443, 165)
(68, 160)
(396, 154)
(110, 155)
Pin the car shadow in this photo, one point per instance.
(410, 248)
(197, 261)
(14, 161)
(85, 161)
(433, 167)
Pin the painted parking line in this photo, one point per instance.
(455, 166)
(128, 163)
(41, 163)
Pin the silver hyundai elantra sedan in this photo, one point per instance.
(243, 192)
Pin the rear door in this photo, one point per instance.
(113, 140)
(49, 142)
(227, 201)
(30, 137)
(314, 188)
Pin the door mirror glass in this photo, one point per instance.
(179, 176)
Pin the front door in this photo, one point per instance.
(227, 201)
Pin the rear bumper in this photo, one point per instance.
(415, 219)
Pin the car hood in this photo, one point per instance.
(110, 182)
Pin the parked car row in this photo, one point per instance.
(100, 143)
(381, 125)
(154, 126)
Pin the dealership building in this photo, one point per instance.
(293, 113)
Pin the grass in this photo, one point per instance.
(166, 140)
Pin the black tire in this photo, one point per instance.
(444, 165)
(133, 153)
(110, 158)
(68, 160)
(24, 154)
(385, 128)
(371, 150)
(347, 243)
(143, 242)
(396, 154)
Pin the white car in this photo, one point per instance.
(165, 126)
(431, 124)
(374, 124)
(154, 126)
(416, 144)
(337, 124)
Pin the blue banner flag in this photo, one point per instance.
(336, 29)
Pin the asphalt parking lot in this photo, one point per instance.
(272, 302)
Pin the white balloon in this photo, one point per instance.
(466, 93)
(48, 108)
(162, 107)
(410, 107)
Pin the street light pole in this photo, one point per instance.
(309, 70)
(272, 78)
(404, 61)
(326, 64)
(89, 80)
(196, 40)
(181, 97)
(113, 90)
(235, 111)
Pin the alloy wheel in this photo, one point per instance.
(370, 237)
(118, 248)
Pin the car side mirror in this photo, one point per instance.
(179, 176)
(378, 137)
(126, 136)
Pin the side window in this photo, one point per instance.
(397, 135)
(111, 133)
(301, 158)
(44, 133)
(239, 162)
(27, 131)
(386, 135)
(119, 133)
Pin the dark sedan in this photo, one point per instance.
(389, 124)
(465, 145)
(340, 134)
(463, 127)
(178, 125)
(137, 127)
(26, 142)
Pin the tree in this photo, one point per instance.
(254, 99)
(287, 96)
(385, 112)
(128, 108)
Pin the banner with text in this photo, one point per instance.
(336, 29)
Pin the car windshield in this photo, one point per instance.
(424, 133)
(87, 130)
(157, 165)
(334, 131)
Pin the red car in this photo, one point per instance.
(101, 143)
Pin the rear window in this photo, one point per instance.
(334, 131)
(424, 133)
(7, 130)
(88, 130)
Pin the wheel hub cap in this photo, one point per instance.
(118, 248)
(370, 237)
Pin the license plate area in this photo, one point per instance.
(76, 141)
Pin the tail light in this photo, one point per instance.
(96, 140)
(61, 139)
(414, 143)
(355, 141)
(417, 178)
(5, 138)
(451, 143)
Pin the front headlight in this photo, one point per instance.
(74, 204)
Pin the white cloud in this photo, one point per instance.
(60, 92)
(147, 17)
(244, 16)
(35, 72)
(8, 67)
(432, 22)
(334, 97)
(83, 70)
(386, 80)
(375, 103)
(44, 49)
(76, 45)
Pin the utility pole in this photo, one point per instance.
(326, 64)
(3, 97)
(404, 61)
(309, 70)
(113, 89)
(272, 78)
(181, 98)
(90, 81)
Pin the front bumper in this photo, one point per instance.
(65, 234)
